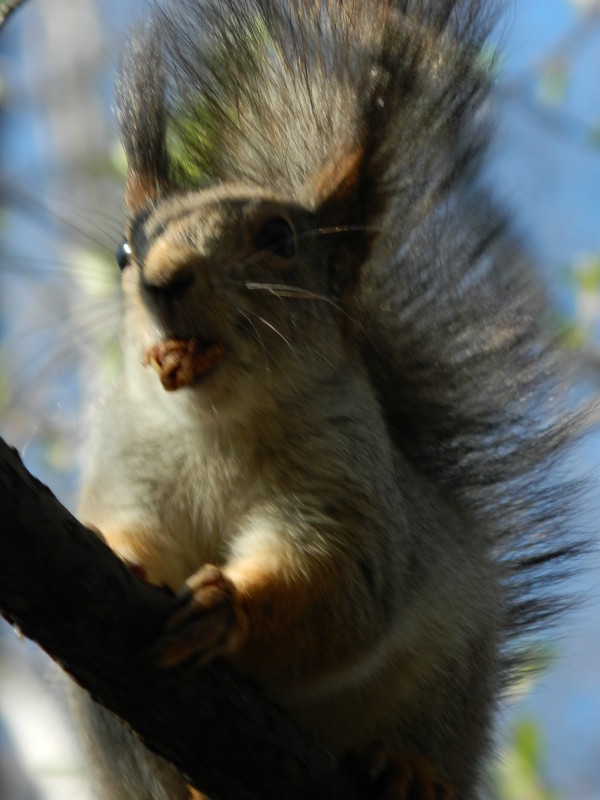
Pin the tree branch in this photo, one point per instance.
(68, 592)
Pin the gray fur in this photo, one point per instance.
(417, 405)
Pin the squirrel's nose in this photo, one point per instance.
(168, 271)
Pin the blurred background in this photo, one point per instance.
(61, 171)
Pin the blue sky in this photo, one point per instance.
(546, 171)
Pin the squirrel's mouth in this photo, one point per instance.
(183, 362)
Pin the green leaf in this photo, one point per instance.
(586, 272)
(585, 5)
(528, 744)
(518, 774)
(554, 81)
(594, 135)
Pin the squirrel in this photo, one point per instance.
(340, 399)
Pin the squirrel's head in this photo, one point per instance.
(234, 292)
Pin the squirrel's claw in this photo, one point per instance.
(387, 775)
(204, 621)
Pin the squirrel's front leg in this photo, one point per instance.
(131, 549)
(209, 621)
(276, 620)
(265, 614)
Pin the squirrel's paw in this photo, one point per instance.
(136, 568)
(133, 564)
(206, 621)
(387, 775)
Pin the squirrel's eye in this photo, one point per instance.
(277, 236)
(123, 255)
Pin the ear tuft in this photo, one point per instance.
(142, 189)
(337, 187)
(339, 194)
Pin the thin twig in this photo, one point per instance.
(7, 9)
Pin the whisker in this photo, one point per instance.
(339, 229)
(294, 292)
(73, 316)
(257, 338)
(27, 203)
(87, 213)
(91, 220)
(272, 327)
(53, 267)
(286, 290)
(313, 233)
(63, 345)
(27, 195)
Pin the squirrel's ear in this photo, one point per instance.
(138, 191)
(336, 187)
(346, 211)
(141, 189)
(143, 118)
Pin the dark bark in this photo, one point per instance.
(67, 591)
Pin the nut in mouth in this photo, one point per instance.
(183, 362)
